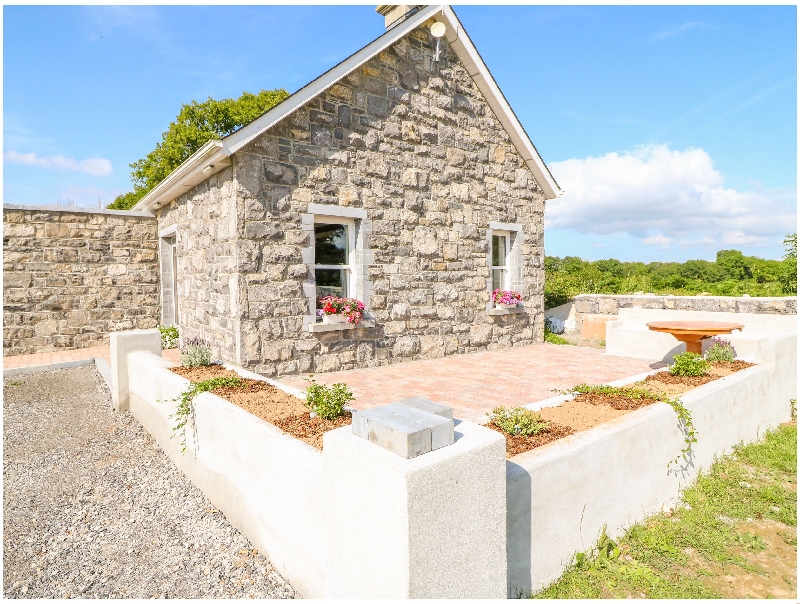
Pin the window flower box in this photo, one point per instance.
(334, 309)
(504, 298)
(329, 319)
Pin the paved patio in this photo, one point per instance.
(474, 384)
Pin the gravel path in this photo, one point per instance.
(93, 508)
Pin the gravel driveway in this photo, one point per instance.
(93, 508)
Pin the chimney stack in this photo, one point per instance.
(393, 12)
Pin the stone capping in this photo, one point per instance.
(77, 210)
(323, 327)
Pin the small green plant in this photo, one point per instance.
(195, 352)
(684, 417)
(15, 383)
(518, 420)
(720, 350)
(793, 403)
(598, 557)
(169, 336)
(185, 411)
(688, 364)
(327, 402)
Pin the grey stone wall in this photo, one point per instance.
(72, 276)
(413, 143)
(604, 304)
(209, 219)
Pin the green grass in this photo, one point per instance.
(653, 559)
(556, 339)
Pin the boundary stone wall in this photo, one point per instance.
(73, 275)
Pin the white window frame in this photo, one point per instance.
(168, 274)
(360, 258)
(350, 223)
(506, 268)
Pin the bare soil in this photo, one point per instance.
(267, 402)
(776, 576)
(518, 443)
(580, 416)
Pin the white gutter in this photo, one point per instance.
(175, 184)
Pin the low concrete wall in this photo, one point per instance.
(267, 483)
(357, 521)
(629, 336)
(560, 496)
(588, 314)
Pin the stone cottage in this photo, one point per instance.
(400, 177)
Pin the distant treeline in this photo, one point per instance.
(732, 274)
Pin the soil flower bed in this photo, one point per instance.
(519, 443)
(596, 405)
(267, 402)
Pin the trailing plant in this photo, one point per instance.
(195, 352)
(327, 402)
(169, 336)
(505, 296)
(185, 411)
(349, 307)
(518, 420)
(688, 364)
(684, 417)
(720, 350)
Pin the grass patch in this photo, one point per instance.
(670, 554)
(556, 339)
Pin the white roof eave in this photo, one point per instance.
(190, 172)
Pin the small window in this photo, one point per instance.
(333, 245)
(500, 254)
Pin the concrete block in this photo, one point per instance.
(122, 344)
(404, 430)
(429, 527)
(423, 404)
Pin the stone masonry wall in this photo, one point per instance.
(413, 143)
(605, 304)
(72, 276)
(209, 218)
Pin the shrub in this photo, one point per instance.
(551, 337)
(554, 325)
(720, 350)
(169, 336)
(518, 420)
(327, 402)
(195, 352)
(688, 364)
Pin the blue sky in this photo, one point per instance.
(673, 130)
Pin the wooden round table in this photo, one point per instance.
(693, 332)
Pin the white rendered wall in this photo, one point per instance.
(560, 495)
(629, 336)
(267, 483)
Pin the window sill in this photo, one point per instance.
(495, 312)
(323, 327)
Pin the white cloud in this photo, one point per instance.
(654, 192)
(681, 29)
(659, 240)
(96, 166)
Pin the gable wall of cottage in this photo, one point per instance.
(415, 144)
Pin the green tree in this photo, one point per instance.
(196, 124)
(734, 264)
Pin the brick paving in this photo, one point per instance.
(474, 384)
(78, 354)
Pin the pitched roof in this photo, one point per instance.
(215, 154)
